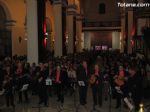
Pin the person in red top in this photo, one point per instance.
(58, 75)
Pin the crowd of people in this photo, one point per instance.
(108, 74)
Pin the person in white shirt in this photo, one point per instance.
(71, 73)
(72, 78)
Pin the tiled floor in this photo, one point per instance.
(70, 105)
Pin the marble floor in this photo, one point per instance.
(70, 105)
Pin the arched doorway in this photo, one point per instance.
(5, 35)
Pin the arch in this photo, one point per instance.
(2, 17)
(5, 34)
(6, 10)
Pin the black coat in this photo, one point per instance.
(135, 85)
(63, 77)
(42, 74)
(82, 76)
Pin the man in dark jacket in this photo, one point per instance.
(82, 78)
(60, 81)
(43, 94)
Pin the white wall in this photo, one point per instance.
(115, 40)
(87, 40)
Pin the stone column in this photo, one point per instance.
(79, 33)
(32, 31)
(70, 28)
(122, 39)
(57, 7)
(130, 26)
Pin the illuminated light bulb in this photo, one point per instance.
(141, 108)
(141, 105)
(46, 33)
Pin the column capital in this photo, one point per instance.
(79, 17)
(71, 10)
(55, 2)
(60, 2)
(72, 6)
(130, 9)
(123, 15)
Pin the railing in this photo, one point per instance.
(143, 12)
(102, 24)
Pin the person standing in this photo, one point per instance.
(43, 95)
(72, 79)
(96, 82)
(135, 85)
(1, 76)
(8, 87)
(82, 78)
(60, 83)
(119, 81)
(19, 73)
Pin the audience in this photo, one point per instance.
(67, 72)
